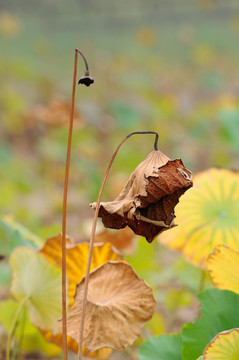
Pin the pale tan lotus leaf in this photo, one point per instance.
(123, 240)
(76, 259)
(224, 346)
(146, 204)
(223, 268)
(118, 305)
(208, 216)
(72, 345)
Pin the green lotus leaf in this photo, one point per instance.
(39, 282)
(13, 234)
(32, 340)
(219, 312)
(163, 347)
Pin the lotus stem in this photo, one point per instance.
(147, 132)
(92, 236)
(64, 206)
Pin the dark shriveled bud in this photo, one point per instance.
(86, 80)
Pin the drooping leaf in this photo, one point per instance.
(163, 347)
(146, 204)
(223, 267)
(118, 304)
(224, 346)
(219, 311)
(32, 338)
(76, 259)
(39, 280)
(207, 216)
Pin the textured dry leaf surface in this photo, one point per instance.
(208, 216)
(76, 261)
(118, 304)
(223, 268)
(146, 204)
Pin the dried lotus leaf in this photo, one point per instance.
(118, 304)
(146, 204)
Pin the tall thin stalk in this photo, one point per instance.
(92, 236)
(85, 81)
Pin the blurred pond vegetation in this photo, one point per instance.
(164, 66)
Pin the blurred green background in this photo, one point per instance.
(166, 66)
(160, 65)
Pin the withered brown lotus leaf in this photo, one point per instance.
(118, 304)
(146, 204)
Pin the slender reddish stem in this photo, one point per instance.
(92, 236)
(64, 210)
(64, 207)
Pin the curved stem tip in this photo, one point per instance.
(92, 236)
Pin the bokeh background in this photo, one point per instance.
(159, 65)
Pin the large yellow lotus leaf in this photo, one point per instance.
(224, 346)
(223, 267)
(118, 304)
(39, 280)
(207, 216)
(76, 259)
